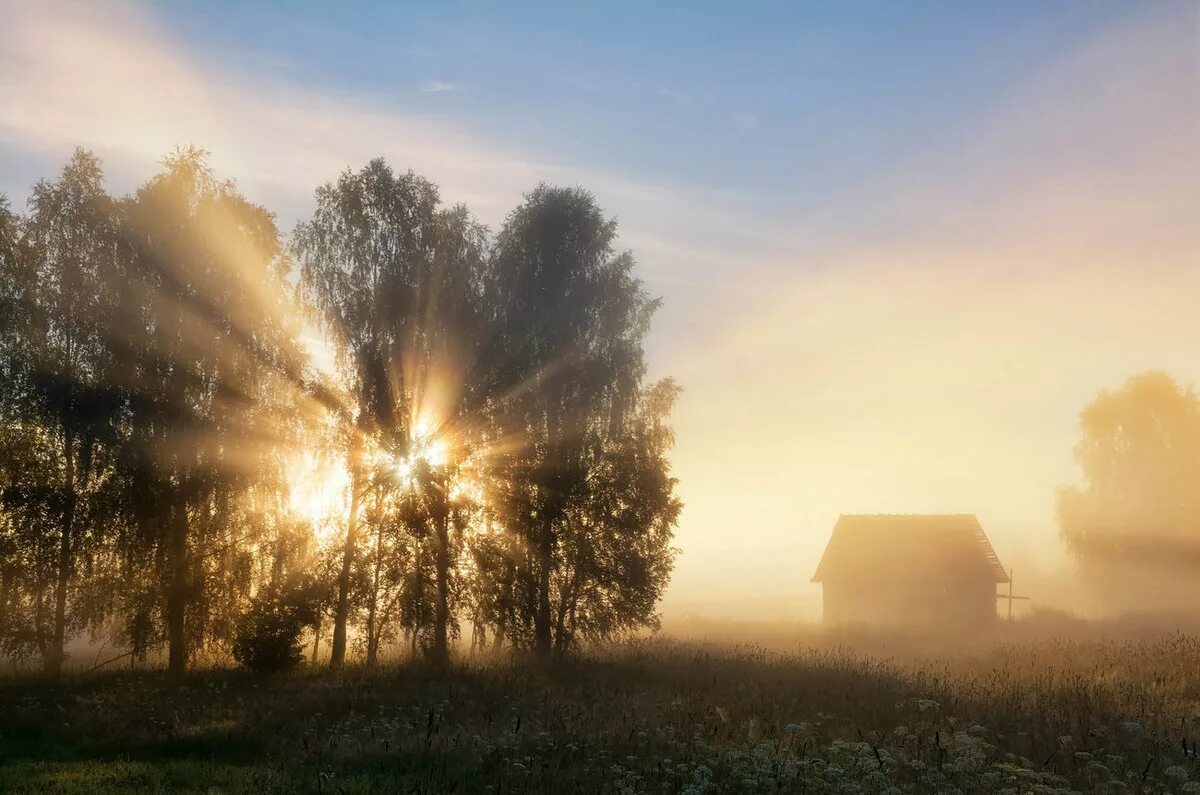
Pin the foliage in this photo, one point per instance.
(508, 466)
(268, 636)
(570, 320)
(212, 377)
(64, 412)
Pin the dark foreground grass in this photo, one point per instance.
(648, 717)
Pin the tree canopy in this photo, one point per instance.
(505, 464)
(1134, 524)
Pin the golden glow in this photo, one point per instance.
(318, 491)
(403, 470)
(436, 452)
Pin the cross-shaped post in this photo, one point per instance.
(1009, 596)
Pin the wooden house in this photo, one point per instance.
(935, 571)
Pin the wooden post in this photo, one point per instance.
(1010, 586)
(1009, 596)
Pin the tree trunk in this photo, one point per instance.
(316, 638)
(440, 652)
(373, 604)
(498, 635)
(551, 499)
(541, 624)
(560, 624)
(337, 651)
(57, 654)
(39, 618)
(177, 589)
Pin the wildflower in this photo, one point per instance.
(1176, 773)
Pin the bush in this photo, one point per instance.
(269, 637)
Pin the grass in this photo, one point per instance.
(651, 716)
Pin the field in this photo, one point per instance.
(650, 716)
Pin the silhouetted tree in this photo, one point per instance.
(570, 318)
(364, 256)
(616, 540)
(507, 464)
(397, 283)
(1134, 526)
(213, 375)
(61, 379)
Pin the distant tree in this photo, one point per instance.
(213, 372)
(61, 393)
(1134, 525)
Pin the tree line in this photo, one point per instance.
(504, 455)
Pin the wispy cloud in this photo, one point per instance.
(112, 80)
(437, 87)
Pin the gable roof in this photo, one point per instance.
(866, 543)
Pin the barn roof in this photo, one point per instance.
(864, 543)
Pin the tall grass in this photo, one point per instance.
(648, 716)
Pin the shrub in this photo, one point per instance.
(269, 636)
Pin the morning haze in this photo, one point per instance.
(497, 349)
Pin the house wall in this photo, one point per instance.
(951, 599)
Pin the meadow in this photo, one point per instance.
(653, 715)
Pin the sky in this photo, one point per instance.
(900, 245)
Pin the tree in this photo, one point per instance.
(1134, 525)
(60, 368)
(571, 319)
(507, 464)
(364, 256)
(616, 542)
(213, 373)
(397, 282)
(454, 336)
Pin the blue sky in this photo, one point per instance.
(900, 245)
(772, 100)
